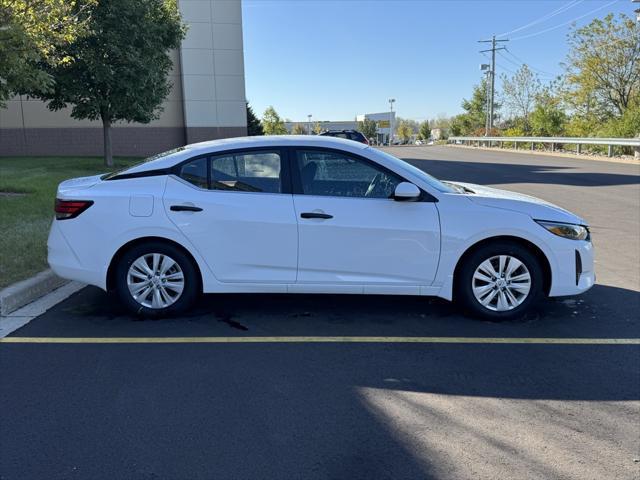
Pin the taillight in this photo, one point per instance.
(66, 209)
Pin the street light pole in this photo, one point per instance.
(309, 124)
(391, 101)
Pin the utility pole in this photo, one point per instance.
(391, 101)
(309, 124)
(492, 72)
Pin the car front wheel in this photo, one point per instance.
(500, 281)
(156, 279)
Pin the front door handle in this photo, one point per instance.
(324, 216)
(184, 208)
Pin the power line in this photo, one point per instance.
(549, 15)
(520, 62)
(543, 72)
(535, 34)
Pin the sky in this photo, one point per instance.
(335, 59)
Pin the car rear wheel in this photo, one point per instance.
(499, 281)
(156, 279)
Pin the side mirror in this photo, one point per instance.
(406, 192)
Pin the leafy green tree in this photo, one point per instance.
(520, 92)
(119, 69)
(32, 33)
(272, 123)
(254, 127)
(475, 108)
(298, 129)
(404, 131)
(425, 130)
(548, 118)
(368, 128)
(603, 68)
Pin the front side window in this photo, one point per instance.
(247, 172)
(327, 173)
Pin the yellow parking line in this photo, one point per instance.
(298, 339)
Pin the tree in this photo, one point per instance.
(32, 33)
(119, 69)
(254, 127)
(548, 118)
(368, 128)
(272, 123)
(425, 130)
(298, 129)
(603, 67)
(520, 93)
(317, 128)
(404, 131)
(475, 114)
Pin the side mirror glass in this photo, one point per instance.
(406, 192)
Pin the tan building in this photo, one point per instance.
(207, 100)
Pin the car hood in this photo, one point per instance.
(534, 207)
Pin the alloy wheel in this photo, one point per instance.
(501, 283)
(155, 280)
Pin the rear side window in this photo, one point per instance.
(241, 172)
(195, 172)
(247, 172)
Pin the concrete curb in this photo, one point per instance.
(21, 293)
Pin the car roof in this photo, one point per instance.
(171, 158)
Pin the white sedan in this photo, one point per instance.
(310, 214)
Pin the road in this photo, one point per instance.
(281, 409)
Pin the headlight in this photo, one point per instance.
(566, 230)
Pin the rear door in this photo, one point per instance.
(352, 232)
(237, 210)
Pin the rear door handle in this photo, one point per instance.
(324, 216)
(184, 208)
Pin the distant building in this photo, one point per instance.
(383, 121)
(329, 125)
(207, 100)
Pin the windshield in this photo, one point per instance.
(432, 181)
(108, 176)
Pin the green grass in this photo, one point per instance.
(25, 219)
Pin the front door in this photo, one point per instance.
(234, 210)
(351, 231)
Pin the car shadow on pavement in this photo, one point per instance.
(604, 372)
(323, 410)
(485, 173)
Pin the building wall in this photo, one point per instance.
(213, 70)
(206, 101)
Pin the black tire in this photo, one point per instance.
(464, 295)
(189, 292)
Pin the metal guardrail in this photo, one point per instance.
(553, 141)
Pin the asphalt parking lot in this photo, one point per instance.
(553, 395)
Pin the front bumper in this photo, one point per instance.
(574, 272)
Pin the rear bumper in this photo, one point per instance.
(65, 263)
